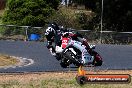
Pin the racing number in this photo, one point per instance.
(64, 42)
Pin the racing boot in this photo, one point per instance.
(52, 51)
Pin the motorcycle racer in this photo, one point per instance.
(58, 41)
(53, 35)
(50, 34)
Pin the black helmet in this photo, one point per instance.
(54, 25)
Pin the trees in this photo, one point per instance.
(95, 7)
(89, 4)
(117, 14)
(29, 12)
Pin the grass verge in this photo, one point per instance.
(54, 80)
(6, 60)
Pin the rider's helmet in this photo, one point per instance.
(55, 26)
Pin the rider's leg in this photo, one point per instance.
(50, 47)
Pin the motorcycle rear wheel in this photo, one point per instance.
(98, 63)
(97, 59)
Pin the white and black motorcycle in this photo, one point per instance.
(70, 51)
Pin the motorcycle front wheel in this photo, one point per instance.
(74, 59)
(64, 64)
(65, 61)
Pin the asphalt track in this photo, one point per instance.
(114, 56)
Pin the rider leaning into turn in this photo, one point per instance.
(53, 34)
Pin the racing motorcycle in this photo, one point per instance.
(71, 51)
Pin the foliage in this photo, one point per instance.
(73, 18)
(117, 14)
(53, 3)
(27, 12)
(89, 4)
(85, 20)
(95, 7)
(65, 17)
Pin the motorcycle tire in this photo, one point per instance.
(76, 63)
(64, 64)
(98, 63)
(58, 56)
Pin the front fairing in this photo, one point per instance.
(87, 59)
